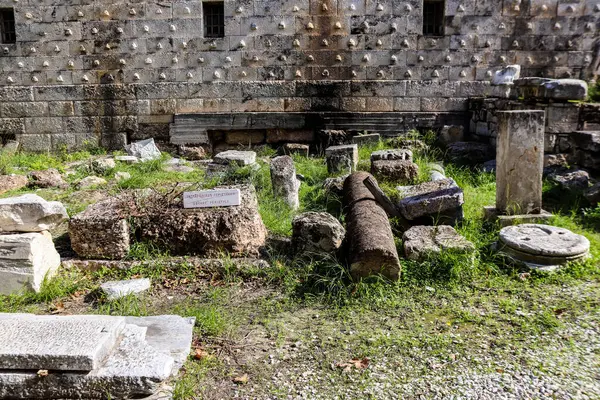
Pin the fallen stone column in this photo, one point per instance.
(284, 181)
(371, 242)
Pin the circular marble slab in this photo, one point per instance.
(544, 240)
(543, 246)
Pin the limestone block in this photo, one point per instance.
(393, 154)
(12, 182)
(284, 181)
(62, 343)
(30, 213)
(295, 149)
(404, 171)
(341, 159)
(235, 157)
(317, 233)
(433, 198)
(25, 260)
(564, 89)
(519, 161)
(238, 230)
(49, 178)
(101, 231)
(145, 150)
(422, 242)
(507, 75)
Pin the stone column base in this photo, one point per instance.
(492, 214)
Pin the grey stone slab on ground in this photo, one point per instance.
(342, 158)
(295, 149)
(25, 260)
(116, 289)
(145, 150)
(235, 157)
(91, 181)
(150, 350)
(49, 178)
(564, 89)
(317, 233)
(392, 154)
(63, 343)
(520, 161)
(421, 242)
(127, 159)
(102, 165)
(577, 180)
(543, 247)
(335, 185)
(430, 199)
(101, 231)
(30, 213)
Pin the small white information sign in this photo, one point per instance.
(211, 198)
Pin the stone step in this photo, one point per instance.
(62, 343)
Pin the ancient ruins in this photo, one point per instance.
(351, 138)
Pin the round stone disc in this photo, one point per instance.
(545, 240)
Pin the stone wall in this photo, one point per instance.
(104, 72)
(571, 136)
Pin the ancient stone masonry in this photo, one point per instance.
(110, 73)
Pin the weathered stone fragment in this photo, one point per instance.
(284, 181)
(519, 161)
(421, 242)
(335, 185)
(30, 213)
(91, 181)
(592, 194)
(114, 290)
(543, 247)
(235, 157)
(316, 234)
(341, 159)
(506, 75)
(564, 89)
(451, 134)
(65, 343)
(12, 182)
(395, 170)
(145, 150)
(469, 153)
(332, 138)
(432, 202)
(25, 260)
(394, 154)
(49, 178)
(101, 231)
(370, 239)
(572, 180)
(127, 159)
(238, 230)
(192, 153)
(295, 149)
(367, 138)
(102, 166)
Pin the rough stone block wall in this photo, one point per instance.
(108, 72)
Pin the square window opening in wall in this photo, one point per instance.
(433, 17)
(7, 25)
(214, 19)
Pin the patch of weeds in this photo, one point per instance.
(190, 383)
(211, 319)
(130, 305)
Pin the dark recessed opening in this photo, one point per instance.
(214, 19)
(433, 17)
(7, 25)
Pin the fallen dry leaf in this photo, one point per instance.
(200, 354)
(241, 380)
(58, 308)
(358, 363)
(42, 372)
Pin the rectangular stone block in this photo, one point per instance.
(519, 161)
(65, 343)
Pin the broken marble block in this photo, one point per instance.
(341, 159)
(366, 138)
(12, 182)
(290, 149)
(235, 157)
(422, 242)
(101, 231)
(116, 289)
(30, 213)
(392, 154)
(25, 260)
(403, 171)
(144, 150)
(437, 202)
(506, 75)
(90, 357)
